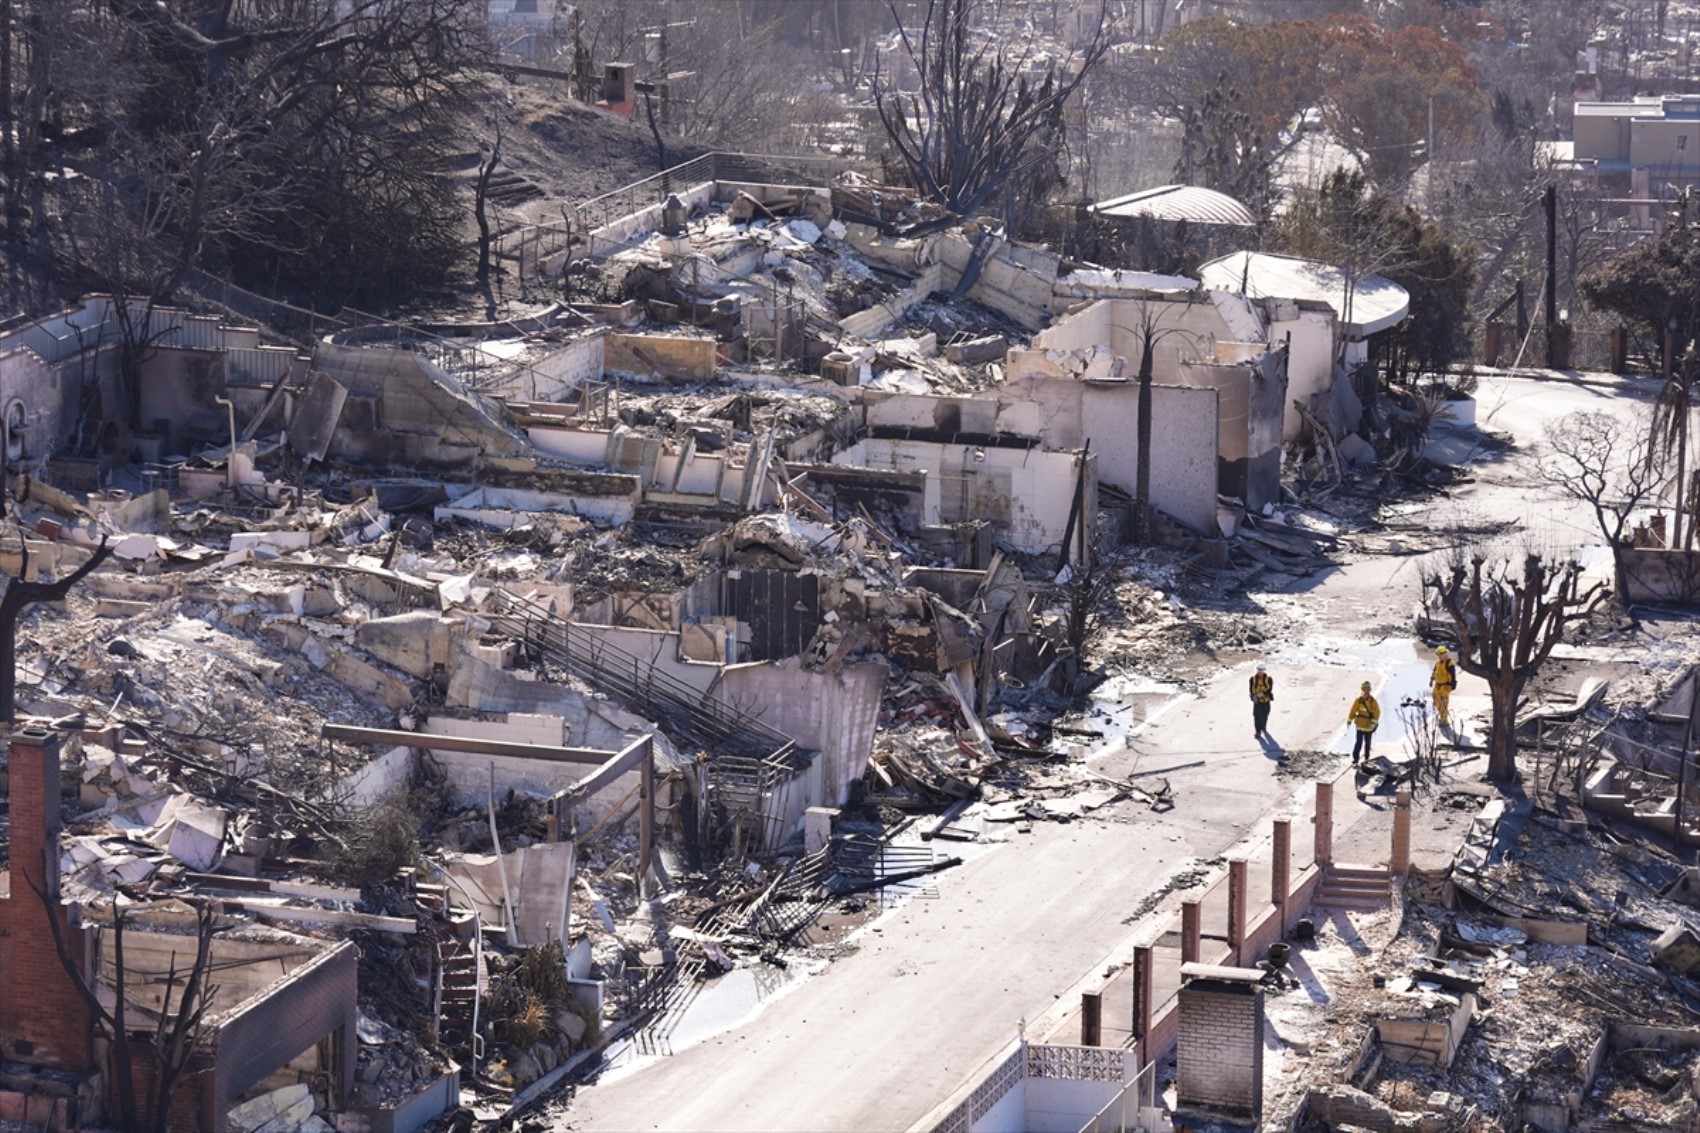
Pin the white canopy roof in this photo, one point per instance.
(1373, 303)
(1179, 202)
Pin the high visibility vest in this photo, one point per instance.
(1262, 688)
(1366, 713)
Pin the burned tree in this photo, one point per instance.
(176, 1034)
(983, 116)
(20, 595)
(1147, 330)
(1507, 621)
(1608, 463)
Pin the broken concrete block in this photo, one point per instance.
(1677, 950)
(570, 1024)
(119, 608)
(316, 654)
(1354, 450)
(804, 230)
(266, 1112)
(134, 547)
(817, 828)
(977, 351)
(279, 540)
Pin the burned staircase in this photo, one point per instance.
(747, 761)
(1355, 887)
(458, 979)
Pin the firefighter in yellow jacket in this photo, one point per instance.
(1365, 716)
(1442, 682)
(1262, 696)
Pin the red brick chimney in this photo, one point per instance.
(32, 759)
(43, 1020)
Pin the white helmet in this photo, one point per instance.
(1261, 667)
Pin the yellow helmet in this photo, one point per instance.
(1441, 651)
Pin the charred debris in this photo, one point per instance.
(524, 675)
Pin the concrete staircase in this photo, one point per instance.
(1358, 887)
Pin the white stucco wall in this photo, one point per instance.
(1026, 493)
(833, 713)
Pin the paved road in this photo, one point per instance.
(885, 1034)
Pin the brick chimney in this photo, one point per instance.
(32, 758)
(43, 1019)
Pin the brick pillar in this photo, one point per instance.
(1192, 927)
(32, 759)
(1401, 861)
(1219, 1046)
(43, 1020)
(1144, 989)
(1324, 822)
(1236, 907)
(1281, 868)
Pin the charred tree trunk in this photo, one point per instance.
(481, 213)
(21, 595)
(1142, 476)
(1502, 731)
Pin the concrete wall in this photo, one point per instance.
(402, 409)
(314, 1001)
(584, 446)
(469, 772)
(590, 722)
(539, 877)
(834, 713)
(677, 356)
(556, 374)
(1310, 360)
(1658, 574)
(1602, 137)
(1024, 492)
(42, 391)
(1188, 326)
(1250, 397)
(615, 503)
(1000, 412)
(245, 966)
(178, 386)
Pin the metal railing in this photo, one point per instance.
(692, 718)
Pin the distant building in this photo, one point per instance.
(1657, 133)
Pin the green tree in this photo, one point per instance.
(1367, 231)
(1655, 285)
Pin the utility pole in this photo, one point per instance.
(1550, 202)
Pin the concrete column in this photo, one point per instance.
(1324, 822)
(1236, 906)
(1091, 1018)
(1281, 867)
(1144, 989)
(1192, 922)
(1401, 860)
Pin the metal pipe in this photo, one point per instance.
(230, 464)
